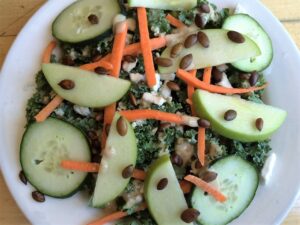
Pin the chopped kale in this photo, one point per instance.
(158, 24)
(141, 218)
(187, 17)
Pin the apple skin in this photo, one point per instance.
(90, 89)
(220, 51)
(167, 205)
(120, 152)
(213, 107)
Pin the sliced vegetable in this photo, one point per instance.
(173, 5)
(206, 187)
(44, 146)
(238, 180)
(139, 174)
(243, 128)
(165, 204)
(87, 89)
(193, 81)
(174, 21)
(48, 109)
(221, 50)
(201, 145)
(92, 66)
(85, 20)
(80, 166)
(247, 25)
(146, 47)
(48, 52)
(207, 75)
(120, 153)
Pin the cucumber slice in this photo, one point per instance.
(167, 205)
(238, 181)
(220, 51)
(90, 90)
(43, 147)
(173, 5)
(120, 152)
(247, 25)
(73, 26)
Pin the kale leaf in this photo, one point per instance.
(157, 21)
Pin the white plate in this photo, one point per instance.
(271, 203)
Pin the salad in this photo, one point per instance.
(155, 109)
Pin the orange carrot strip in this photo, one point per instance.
(115, 216)
(133, 49)
(193, 81)
(185, 186)
(206, 187)
(207, 75)
(139, 174)
(102, 63)
(201, 145)
(118, 48)
(48, 51)
(143, 114)
(48, 109)
(146, 47)
(80, 166)
(174, 21)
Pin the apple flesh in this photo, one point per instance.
(243, 128)
(119, 153)
(90, 89)
(167, 205)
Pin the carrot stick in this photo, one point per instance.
(139, 174)
(48, 51)
(80, 166)
(207, 75)
(102, 63)
(118, 48)
(201, 145)
(48, 109)
(133, 49)
(206, 187)
(116, 216)
(186, 187)
(193, 81)
(174, 21)
(146, 47)
(143, 114)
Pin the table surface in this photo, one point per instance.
(15, 13)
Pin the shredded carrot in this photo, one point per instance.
(102, 63)
(193, 81)
(190, 92)
(206, 187)
(118, 49)
(143, 114)
(48, 52)
(139, 174)
(185, 186)
(201, 145)
(116, 216)
(146, 47)
(48, 109)
(80, 166)
(207, 75)
(174, 21)
(133, 49)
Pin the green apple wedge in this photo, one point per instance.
(90, 89)
(221, 50)
(167, 205)
(243, 128)
(119, 153)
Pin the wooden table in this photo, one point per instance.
(15, 13)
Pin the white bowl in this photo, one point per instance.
(271, 203)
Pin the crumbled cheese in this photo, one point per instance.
(138, 123)
(165, 91)
(136, 196)
(122, 106)
(59, 112)
(136, 77)
(84, 111)
(86, 51)
(131, 24)
(185, 150)
(240, 9)
(268, 168)
(156, 31)
(190, 121)
(153, 98)
(224, 82)
(158, 83)
(129, 39)
(73, 54)
(128, 66)
(168, 76)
